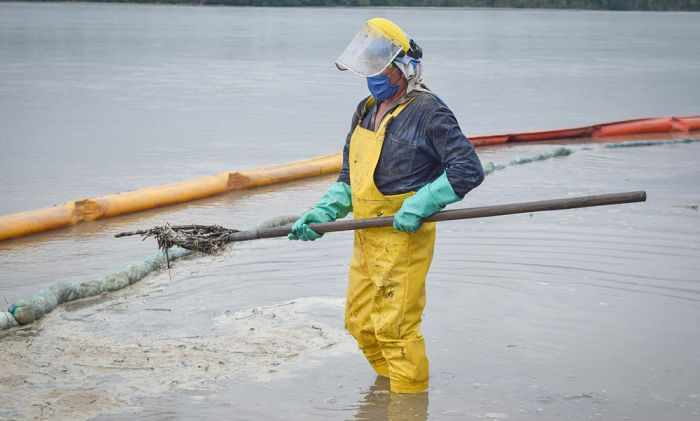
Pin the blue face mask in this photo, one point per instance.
(380, 87)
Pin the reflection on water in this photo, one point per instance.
(381, 404)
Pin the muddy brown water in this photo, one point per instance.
(578, 315)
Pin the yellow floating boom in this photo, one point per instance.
(76, 211)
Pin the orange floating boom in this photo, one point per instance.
(617, 128)
(77, 211)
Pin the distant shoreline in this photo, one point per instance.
(609, 5)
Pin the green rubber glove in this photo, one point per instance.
(428, 200)
(335, 203)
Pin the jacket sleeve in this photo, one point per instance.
(455, 152)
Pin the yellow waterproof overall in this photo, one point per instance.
(386, 287)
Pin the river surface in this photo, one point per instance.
(576, 315)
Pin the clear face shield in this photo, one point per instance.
(368, 53)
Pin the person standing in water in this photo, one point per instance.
(406, 156)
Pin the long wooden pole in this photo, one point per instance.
(450, 215)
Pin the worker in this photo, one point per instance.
(405, 156)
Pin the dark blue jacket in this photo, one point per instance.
(421, 143)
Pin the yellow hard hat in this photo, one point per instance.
(377, 44)
(391, 30)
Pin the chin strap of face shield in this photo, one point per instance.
(414, 51)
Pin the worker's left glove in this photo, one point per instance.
(428, 200)
(336, 203)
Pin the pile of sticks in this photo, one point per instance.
(203, 238)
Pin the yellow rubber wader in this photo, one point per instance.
(386, 287)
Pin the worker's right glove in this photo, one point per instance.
(336, 203)
(428, 200)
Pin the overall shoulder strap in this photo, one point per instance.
(368, 103)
